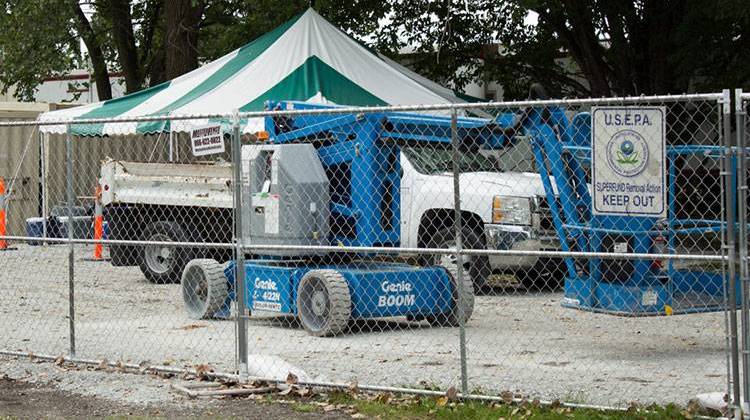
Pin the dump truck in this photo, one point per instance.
(162, 202)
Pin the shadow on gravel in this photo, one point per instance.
(363, 326)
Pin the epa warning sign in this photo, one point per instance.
(628, 161)
(207, 140)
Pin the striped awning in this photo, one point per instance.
(305, 59)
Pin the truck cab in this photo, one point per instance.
(501, 210)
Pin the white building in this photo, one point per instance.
(77, 87)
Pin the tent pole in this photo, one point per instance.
(171, 146)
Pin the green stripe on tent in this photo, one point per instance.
(113, 108)
(468, 98)
(244, 56)
(307, 80)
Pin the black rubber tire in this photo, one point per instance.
(463, 297)
(478, 266)
(123, 255)
(204, 288)
(178, 258)
(324, 304)
(121, 220)
(548, 274)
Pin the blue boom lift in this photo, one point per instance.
(563, 152)
(333, 179)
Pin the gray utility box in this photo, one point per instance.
(285, 198)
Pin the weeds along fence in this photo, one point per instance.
(572, 250)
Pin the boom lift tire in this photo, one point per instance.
(324, 303)
(164, 264)
(477, 266)
(204, 288)
(464, 297)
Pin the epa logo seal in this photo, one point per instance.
(627, 153)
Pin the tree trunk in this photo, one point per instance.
(586, 47)
(573, 22)
(661, 19)
(101, 74)
(182, 19)
(122, 33)
(621, 24)
(156, 73)
(152, 52)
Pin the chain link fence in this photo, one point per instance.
(742, 142)
(571, 250)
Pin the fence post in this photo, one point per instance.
(740, 120)
(43, 182)
(71, 248)
(459, 249)
(730, 171)
(239, 273)
(3, 230)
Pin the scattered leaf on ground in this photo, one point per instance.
(291, 379)
(189, 327)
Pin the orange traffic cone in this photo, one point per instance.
(98, 223)
(3, 230)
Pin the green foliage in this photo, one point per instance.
(577, 47)
(714, 42)
(452, 41)
(37, 40)
(387, 406)
(230, 24)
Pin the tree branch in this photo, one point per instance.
(101, 74)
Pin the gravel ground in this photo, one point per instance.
(44, 390)
(516, 342)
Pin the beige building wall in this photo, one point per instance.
(19, 162)
(88, 154)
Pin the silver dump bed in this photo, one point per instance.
(175, 184)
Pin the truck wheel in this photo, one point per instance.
(164, 264)
(464, 298)
(324, 304)
(477, 266)
(121, 220)
(548, 274)
(204, 288)
(123, 255)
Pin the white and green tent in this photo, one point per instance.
(306, 59)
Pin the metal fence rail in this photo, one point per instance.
(408, 248)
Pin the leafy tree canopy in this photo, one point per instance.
(575, 48)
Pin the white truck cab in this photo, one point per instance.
(501, 210)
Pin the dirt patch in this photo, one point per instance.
(19, 399)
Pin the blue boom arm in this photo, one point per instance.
(361, 156)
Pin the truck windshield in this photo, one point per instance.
(430, 160)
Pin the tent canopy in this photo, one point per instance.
(305, 59)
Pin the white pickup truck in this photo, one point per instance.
(193, 202)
